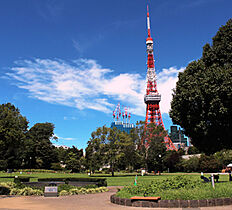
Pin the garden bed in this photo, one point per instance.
(172, 203)
(178, 191)
(11, 188)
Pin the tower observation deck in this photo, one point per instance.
(152, 97)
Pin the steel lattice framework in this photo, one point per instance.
(152, 97)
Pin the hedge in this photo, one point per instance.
(98, 181)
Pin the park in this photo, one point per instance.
(140, 168)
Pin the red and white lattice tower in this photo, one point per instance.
(152, 97)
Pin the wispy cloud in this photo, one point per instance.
(49, 10)
(65, 139)
(84, 84)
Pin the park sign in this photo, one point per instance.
(51, 191)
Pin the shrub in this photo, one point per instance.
(91, 190)
(190, 165)
(64, 193)
(4, 190)
(8, 184)
(65, 187)
(56, 166)
(98, 181)
(209, 164)
(174, 183)
(74, 191)
(83, 191)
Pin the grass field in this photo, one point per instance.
(118, 180)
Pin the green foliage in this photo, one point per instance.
(177, 182)
(64, 193)
(39, 151)
(224, 157)
(73, 162)
(110, 147)
(13, 127)
(56, 166)
(193, 150)
(209, 164)
(190, 165)
(179, 187)
(4, 190)
(81, 190)
(172, 160)
(202, 100)
(65, 187)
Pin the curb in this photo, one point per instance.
(172, 203)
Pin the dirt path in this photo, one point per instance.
(99, 201)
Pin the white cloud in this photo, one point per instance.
(65, 139)
(84, 84)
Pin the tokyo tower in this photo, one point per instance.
(152, 96)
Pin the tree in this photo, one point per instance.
(157, 149)
(202, 99)
(13, 128)
(193, 150)
(94, 151)
(172, 160)
(73, 162)
(40, 151)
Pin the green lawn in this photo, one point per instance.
(118, 180)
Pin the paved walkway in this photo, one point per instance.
(99, 201)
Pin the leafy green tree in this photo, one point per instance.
(209, 164)
(203, 96)
(193, 150)
(13, 128)
(190, 165)
(224, 157)
(40, 151)
(73, 162)
(172, 161)
(157, 149)
(94, 151)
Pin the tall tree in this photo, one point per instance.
(41, 152)
(157, 149)
(203, 96)
(94, 151)
(13, 128)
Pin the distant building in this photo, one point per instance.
(178, 138)
(122, 126)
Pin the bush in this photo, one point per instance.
(36, 170)
(190, 165)
(21, 179)
(74, 191)
(56, 166)
(64, 193)
(98, 181)
(174, 183)
(26, 191)
(65, 187)
(209, 164)
(4, 190)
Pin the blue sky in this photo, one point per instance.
(70, 62)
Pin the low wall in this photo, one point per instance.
(172, 203)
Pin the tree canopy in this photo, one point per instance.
(202, 99)
(13, 128)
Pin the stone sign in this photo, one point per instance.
(51, 191)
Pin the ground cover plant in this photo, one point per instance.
(178, 187)
(11, 188)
